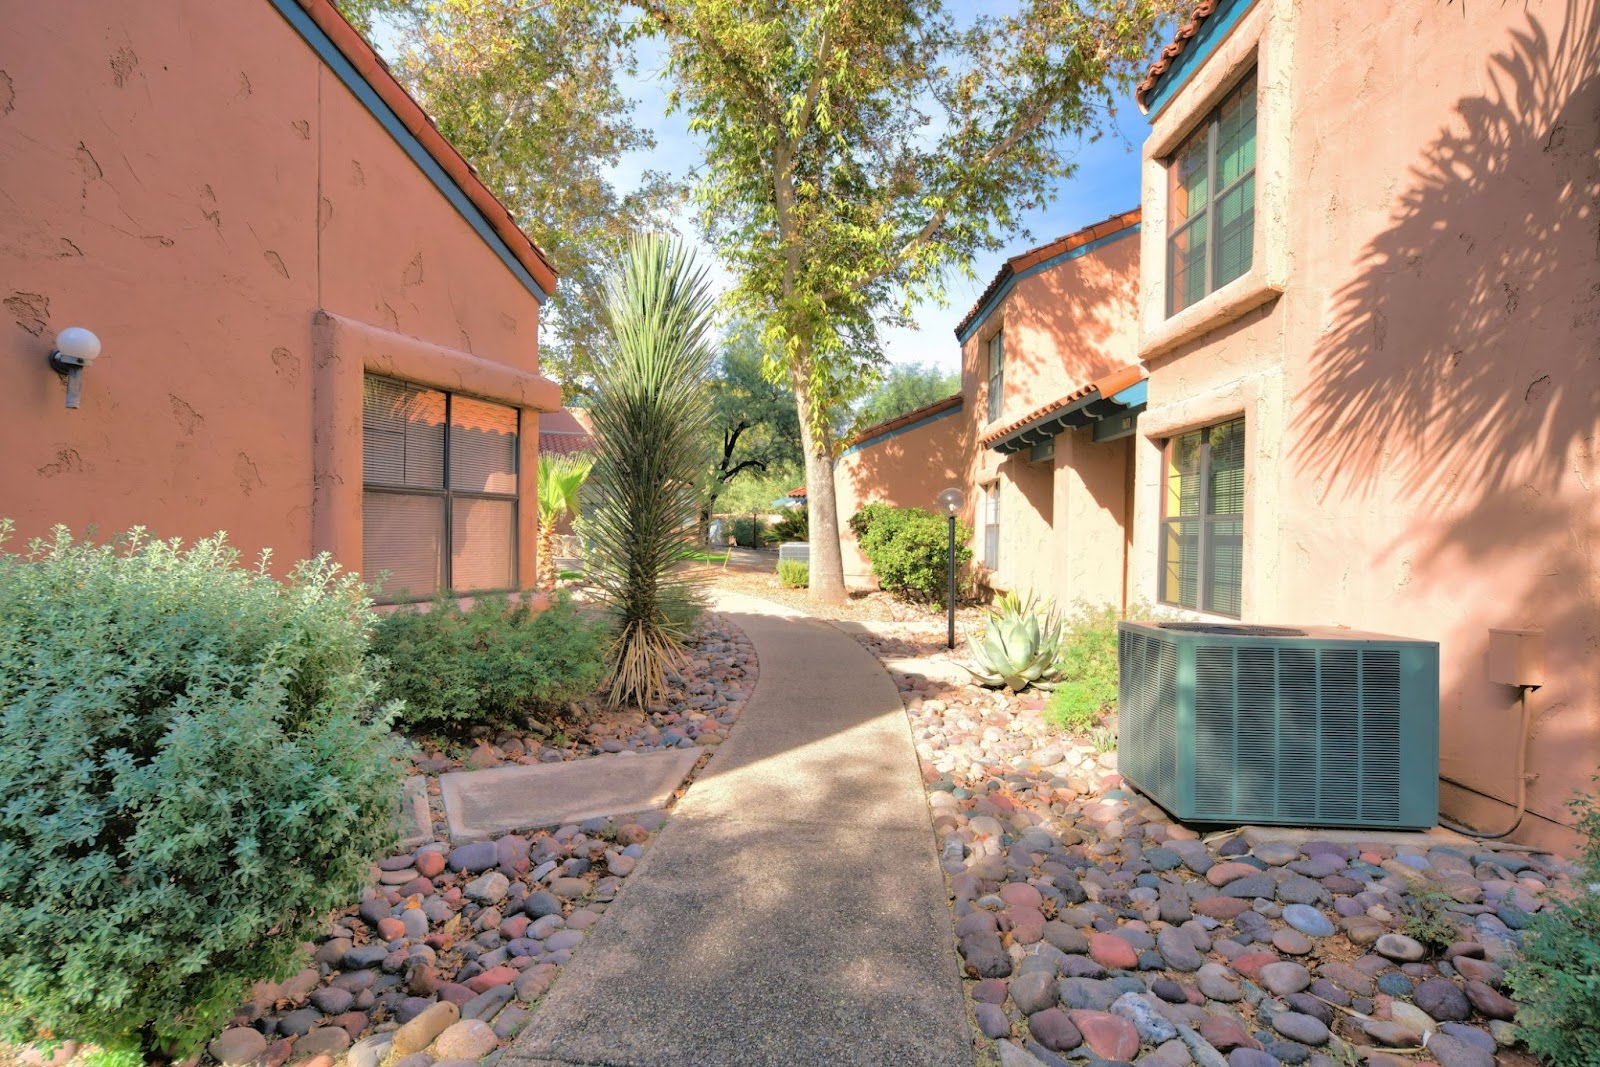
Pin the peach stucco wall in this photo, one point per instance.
(1061, 521)
(190, 181)
(1422, 400)
(909, 469)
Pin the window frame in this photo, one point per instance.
(1210, 124)
(1204, 517)
(991, 526)
(995, 350)
(448, 494)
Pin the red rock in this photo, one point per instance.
(1108, 1036)
(1222, 873)
(1226, 1033)
(391, 929)
(492, 977)
(277, 1053)
(353, 1022)
(1021, 894)
(1223, 908)
(1112, 952)
(1250, 963)
(417, 887)
(455, 994)
(514, 927)
(1027, 925)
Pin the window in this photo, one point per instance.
(439, 506)
(1202, 520)
(991, 526)
(997, 373)
(1211, 211)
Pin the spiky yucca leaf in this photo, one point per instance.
(652, 417)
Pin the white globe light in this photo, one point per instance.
(950, 501)
(78, 343)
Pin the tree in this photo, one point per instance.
(652, 419)
(905, 387)
(527, 92)
(757, 425)
(858, 150)
(560, 478)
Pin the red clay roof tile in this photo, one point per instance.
(1106, 385)
(1164, 60)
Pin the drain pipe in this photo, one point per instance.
(1522, 785)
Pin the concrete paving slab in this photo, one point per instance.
(481, 804)
(792, 912)
(416, 820)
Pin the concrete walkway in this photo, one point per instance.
(792, 911)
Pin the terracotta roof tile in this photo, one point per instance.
(1106, 385)
(891, 425)
(1039, 253)
(1169, 54)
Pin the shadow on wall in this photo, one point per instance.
(911, 469)
(1460, 379)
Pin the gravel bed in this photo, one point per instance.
(1090, 925)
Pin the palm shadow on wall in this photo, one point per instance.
(1460, 373)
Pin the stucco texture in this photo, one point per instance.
(194, 184)
(1061, 520)
(1421, 401)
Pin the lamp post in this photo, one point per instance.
(950, 502)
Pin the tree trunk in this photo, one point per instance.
(547, 556)
(822, 506)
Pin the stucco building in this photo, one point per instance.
(319, 328)
(1037, 439)
(1370, 313)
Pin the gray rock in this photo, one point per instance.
(1066, 938)
(1086, 994)
(332, 1001)
(1013, 1056)
(1145, 1015)
(491, 888)
(1035, 991)
(1250, 1057)
(478, 856)
(1302, 1028)
(992, 1020)
(1178, 950)
(1215, 984)
(1454, 1052)
(1399, 947)
(239, 1045)
(298, 1022)
(1253, 885)
(1443, 1000)
(1284, 978)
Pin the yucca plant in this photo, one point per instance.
(560, 478)
(1018, 646)
(652, 416)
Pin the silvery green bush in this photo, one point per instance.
(194, 772)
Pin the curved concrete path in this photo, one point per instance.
(792, 912)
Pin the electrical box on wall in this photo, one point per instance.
(1516, 657)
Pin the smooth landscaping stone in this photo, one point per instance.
(1054, 1029)
(239, 1045)
(1108, 1036)
(421, 1031)
(469, 1039)
(1443, 1000)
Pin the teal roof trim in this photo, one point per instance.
(882, 437)
(1082, 250)
(320, 43)
(1196, 52)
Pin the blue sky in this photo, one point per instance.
(1106, 182)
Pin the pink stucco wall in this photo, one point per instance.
(908, 469)
(1422, 400)
(1061, 520)
(191, 182)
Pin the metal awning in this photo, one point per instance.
(1084, 411)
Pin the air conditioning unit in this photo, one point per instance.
(1307, 726)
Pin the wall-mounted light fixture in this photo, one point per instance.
(75, 349)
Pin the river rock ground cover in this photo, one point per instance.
(1090, 926)
(452, 945)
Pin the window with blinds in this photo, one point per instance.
(991, 526)
(997, 373)
(439, 501)
(1211, 201)
(1202, 520)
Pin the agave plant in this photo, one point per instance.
(560, 477)
(652, 421)
(1019, 645)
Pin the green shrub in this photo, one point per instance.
(1557, 980)
(794, 574)
(750, 532)
(194, 771)
(1087, 692)
(794, 526)
(494, 664)
(909, 549)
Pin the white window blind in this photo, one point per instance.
(440, 500)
